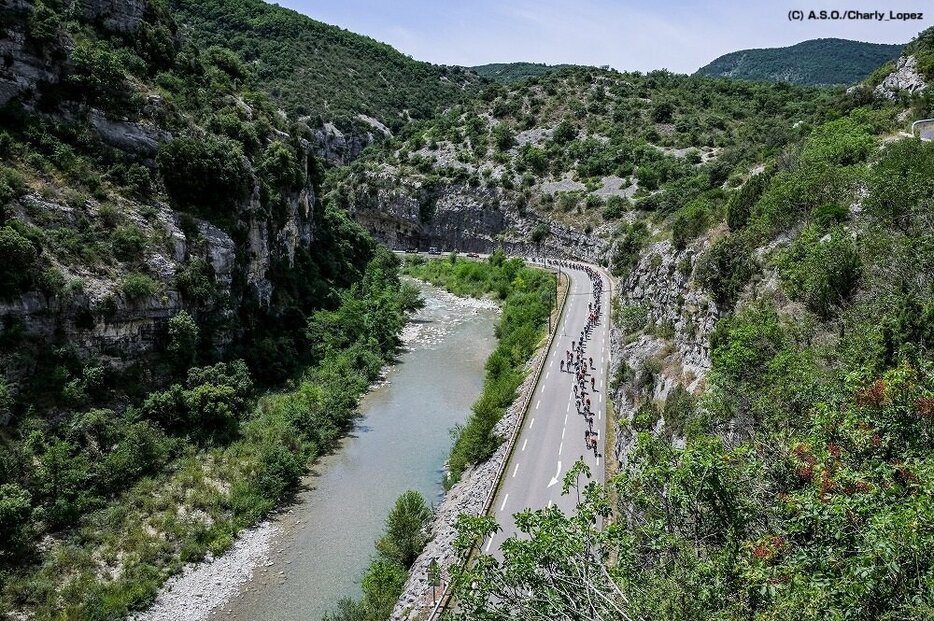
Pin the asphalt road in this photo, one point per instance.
(552, 435)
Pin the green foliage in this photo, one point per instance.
(19, 264)
(137, 286)
(349, 79)
(183, 339)
(127, 242)
(740, 204)
(901, 184)
(725, 269)
(690, 221)
(195, 281)
(15, 522)
(509, 73)
(405, 532)
(205, 174)
(818, 62)
(628, 249)
(823, 272)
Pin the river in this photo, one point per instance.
(323, 544)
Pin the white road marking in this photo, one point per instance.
(554, 480)
(560, 447)
(503, 506)
(565, 419)
(569, 406)
(532, 422)
(562, 434)
(488, 543)
(515, 470)
(550, 502)
(547, 374)
(524, 443)
(538, 404)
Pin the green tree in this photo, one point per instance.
(405, 535)
(203, 173)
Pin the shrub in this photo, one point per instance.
(15, 522)
(136, 286)
(405, 534)
(821, 271)
(19, 262)
(203, 173)
(127, 242)
(725, 269)
(183, 339)
(740, 204)
(195, 281)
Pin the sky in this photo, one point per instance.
(678, 35)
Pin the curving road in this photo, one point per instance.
(552, 435)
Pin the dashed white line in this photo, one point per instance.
(488, 544)
(560, 448)
(503, 506)
(515, 470)
(547, 374)
(538, 404)
(524, 443)
(565, 419)
(562, 432)
(532, 422)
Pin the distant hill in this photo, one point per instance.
(507, 73)
(818, 62)
(312, 68)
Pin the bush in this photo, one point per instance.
(740, 204)
(136, 286)
(19, 262)
(725, 269)
(195, 281)
(15, 522)
(821, 272)
(405, 532)
(127, 242)
(183, 339)
(204, 173)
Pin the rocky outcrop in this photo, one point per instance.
(22, 70)
(679, 317)
(136, 139)
(905, 78)
(409, 214)
(95, 317)
(120, 16)
(337, 147)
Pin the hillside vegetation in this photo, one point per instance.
(153, 290)
(818, 62)
(311, 68)
(507, 73)
(794, 480)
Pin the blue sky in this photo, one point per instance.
(680, 35)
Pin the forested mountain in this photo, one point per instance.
(818, 62)
(311, 68)
(515, 72)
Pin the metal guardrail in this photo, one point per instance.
(927, 129)
(442, 604)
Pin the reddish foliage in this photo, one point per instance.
(834, 450)
(925, 407)
(876, 440)
(904, 474)
(873, 396)
(826, 484)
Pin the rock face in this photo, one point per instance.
(22, 69)
(905, 78)
(338, 148)
(683, 316)
(95, 317)
(121, 16)
(463, 218)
